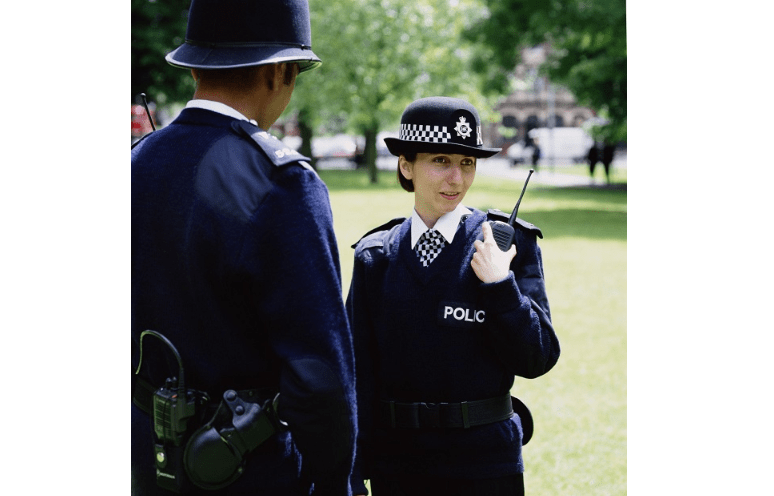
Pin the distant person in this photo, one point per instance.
(235, 264)
(608, 151)
(516, 153)
(443, 320)
(592, 157)
(535, 154)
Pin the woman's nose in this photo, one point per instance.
(455, 174)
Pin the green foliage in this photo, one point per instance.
(158, 27)
(380, 55)
(588, 49)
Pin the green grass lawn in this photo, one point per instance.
(579, 407)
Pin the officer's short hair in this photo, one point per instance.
(407, 184)
(242, 76)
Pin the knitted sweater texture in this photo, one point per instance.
(438, 334)
(234, 260)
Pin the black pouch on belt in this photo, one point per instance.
(215, 454)
(527, 425)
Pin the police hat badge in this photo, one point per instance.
(440, 125)
(226, 34)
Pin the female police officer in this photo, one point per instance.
(443, 320)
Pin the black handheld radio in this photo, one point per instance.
(504, 233)
(176, 410)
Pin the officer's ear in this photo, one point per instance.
(276, 75)
(290, 72)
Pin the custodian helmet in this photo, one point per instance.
(226, 34)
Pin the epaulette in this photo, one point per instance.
(277, 152)
(384, 227)
(495, 214)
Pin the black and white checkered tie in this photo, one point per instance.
(429, 246)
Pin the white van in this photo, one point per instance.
(562, 144)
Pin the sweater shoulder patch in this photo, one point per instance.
(374, 241)
(495, 214)
(276, 151)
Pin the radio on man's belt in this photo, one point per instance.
(197, 442)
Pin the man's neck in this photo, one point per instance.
(239, 103)
(218, 107)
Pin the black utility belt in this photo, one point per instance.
(466, 414)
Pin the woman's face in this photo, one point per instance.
(440, 182)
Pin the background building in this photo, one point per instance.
(533, 103)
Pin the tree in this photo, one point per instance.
(158, 27)
(378, 56)
(587, 40)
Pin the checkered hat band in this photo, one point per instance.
(428, 134)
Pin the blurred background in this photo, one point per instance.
(549, 78)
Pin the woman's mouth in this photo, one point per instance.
(450, 196)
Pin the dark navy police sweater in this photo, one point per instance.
(438, 334)
(234, 259)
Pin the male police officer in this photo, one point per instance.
(235, 263)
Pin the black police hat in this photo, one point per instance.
(440, 125)
(225, 34)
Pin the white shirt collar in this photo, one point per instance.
(446, 225)
(220, 108)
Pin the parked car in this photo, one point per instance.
(562, 144)
(519, 154)
(294, 142)
(140, 123)
(339, 146)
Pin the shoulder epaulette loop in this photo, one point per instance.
(278, 152)
(495, 214)
(529, 227)
(384, 227)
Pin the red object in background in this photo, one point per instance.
(140, 123)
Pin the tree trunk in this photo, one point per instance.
(305, 130)
(370, 152)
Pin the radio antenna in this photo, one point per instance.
(145, 103)
(516, 208)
